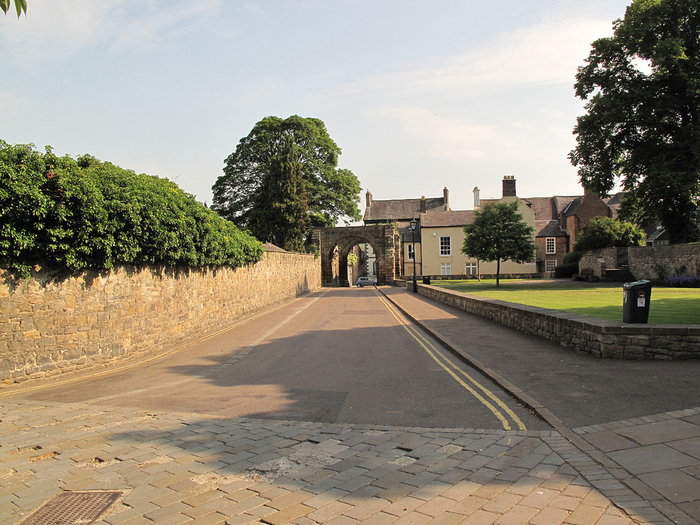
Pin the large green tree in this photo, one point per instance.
(499, 233)
(280, 212)
(332, 194)
(642, 125)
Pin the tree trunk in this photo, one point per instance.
(498, 272)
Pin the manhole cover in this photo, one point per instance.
(73, 508)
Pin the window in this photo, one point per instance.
(550, 265)
(410, 252)
(445, 245)
(470, 269)
(445, 268)
(551, 245)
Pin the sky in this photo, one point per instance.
(419, 95)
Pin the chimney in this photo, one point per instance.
(477, 201)
(509, 186)
(368, 198)
(422, 204)
(446, 198)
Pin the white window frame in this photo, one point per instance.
(446, 247)
(410, 255)
(470, 268)
(550, 245)
(550, 265)
(445, 268)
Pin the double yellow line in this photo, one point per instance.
(479, 391)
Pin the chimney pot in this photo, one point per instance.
(446, 198)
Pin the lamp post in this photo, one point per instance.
(412, 226)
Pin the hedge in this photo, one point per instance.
(71, 215)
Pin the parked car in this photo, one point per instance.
(366, 281)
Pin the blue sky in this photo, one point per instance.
(418, 95)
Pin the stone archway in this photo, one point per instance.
(382, 238)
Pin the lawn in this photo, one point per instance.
(601, 300)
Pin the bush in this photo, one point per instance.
(692, 281)
(566, 270)
(64, 214)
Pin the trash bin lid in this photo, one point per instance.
(641, 282)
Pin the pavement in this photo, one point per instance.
(77, 462)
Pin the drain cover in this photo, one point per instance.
(73, 508)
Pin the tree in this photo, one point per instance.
(20, 6)
(331, 193)
(605, 232)
(280, 212)
(642, 125)
(498, 233)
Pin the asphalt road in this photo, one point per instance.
(337, 356)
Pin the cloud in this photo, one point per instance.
(538, 55)
(444, 138)
(157, 26)
(56, 30)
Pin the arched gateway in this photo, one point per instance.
(334, 263)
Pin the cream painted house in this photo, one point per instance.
(442, 237)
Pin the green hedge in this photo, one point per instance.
(565, 270)
(66, 214)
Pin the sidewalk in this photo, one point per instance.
(164, 467)
(656, 456)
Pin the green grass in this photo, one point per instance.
(601, 300)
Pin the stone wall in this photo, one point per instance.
(48, 326)
(646, 262)
(661, 262)
(601, 338)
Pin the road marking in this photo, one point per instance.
(500, 410)
(20, 390)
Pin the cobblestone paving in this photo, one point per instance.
(188, 468)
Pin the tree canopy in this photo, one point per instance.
(499, 233)
(331, 194)
(280, 211)
(20, 6)
(642, 125)
(71, 215)
(604, 232)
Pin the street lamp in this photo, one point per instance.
(412, 226)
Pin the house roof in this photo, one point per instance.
(400, 209)
(446, 219)
(549, 228)
(614, 202)
(269, 247)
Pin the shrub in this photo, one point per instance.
(692, 281)
(566, 270)
(69, 215)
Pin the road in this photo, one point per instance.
(335, 356)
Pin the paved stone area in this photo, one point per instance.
(659, 458)
(187, 468)
(191, 468)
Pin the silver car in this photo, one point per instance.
(366, 281)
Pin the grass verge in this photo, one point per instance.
(601, 300)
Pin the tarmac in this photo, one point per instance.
(81, 463)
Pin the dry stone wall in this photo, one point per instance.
(48, 326)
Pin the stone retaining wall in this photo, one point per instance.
(50, 326)
(646, 262)
(601, 338)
